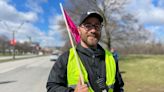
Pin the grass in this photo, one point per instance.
(8, 54)
(143, 73)
(7, 60)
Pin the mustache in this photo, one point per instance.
(93, 35)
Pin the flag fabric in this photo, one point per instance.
(72, 27)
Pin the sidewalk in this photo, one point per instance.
(16, 57)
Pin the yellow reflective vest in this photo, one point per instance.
(73, 71)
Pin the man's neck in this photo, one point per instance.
(86, 46)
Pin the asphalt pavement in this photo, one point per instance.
(25, 75)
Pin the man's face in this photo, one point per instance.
(90, 32)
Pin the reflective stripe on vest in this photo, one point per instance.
(73, 72)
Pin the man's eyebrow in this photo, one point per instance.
(92, 23)
(87, 23)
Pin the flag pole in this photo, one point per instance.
(73, 46)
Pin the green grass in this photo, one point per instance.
(143, 73)
(7, 60)
(7, 54)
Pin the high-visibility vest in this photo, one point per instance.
(73, 71)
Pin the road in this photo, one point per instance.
(28, 75)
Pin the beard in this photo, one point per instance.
(91, 40)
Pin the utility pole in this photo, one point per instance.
(14, 43)
(13, 36)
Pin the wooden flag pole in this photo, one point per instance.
(73, 46)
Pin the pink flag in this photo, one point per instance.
(72, 27)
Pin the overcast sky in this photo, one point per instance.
(150, 13)
(38, 19)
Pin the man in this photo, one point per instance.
(115, 54)
(98, 67)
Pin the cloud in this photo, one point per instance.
(52, 39)
(157, 31)
(154, 17)
(53, 20)
(11, 19)
(21, 32)
(35, 5)
(161, 3)
(147, 12)
(54, 30)
(11, 14)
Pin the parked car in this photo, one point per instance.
(54, 56)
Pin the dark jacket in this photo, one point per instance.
(92, 59)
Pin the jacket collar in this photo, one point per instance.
(91, 51)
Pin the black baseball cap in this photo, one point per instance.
(88, 14)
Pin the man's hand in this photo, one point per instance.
(80, 87)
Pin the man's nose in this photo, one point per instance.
(93, 30)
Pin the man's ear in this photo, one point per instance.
(78, 29)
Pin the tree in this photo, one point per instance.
(120, 27)
(4, 44)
